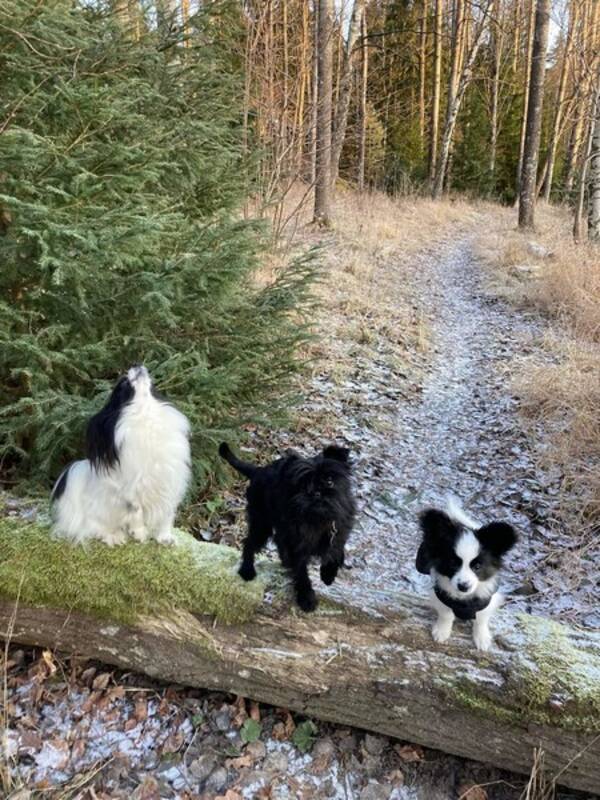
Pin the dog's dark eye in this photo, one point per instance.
(475, 564)
(329, 483)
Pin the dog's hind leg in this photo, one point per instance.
(332, 561)
(305, 594)
(258, 534)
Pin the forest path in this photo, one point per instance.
(462, 435)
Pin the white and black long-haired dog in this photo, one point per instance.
(463, 558)
(136, 472)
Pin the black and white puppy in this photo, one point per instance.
(136, 472)
(463, 558)
(307, 505)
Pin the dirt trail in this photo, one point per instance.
(462, 435)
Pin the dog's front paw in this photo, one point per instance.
(139, 534)
(247, 572)
(308, 602)
(328, 573)
(483, 639)
(441, 633)
(166, 537)
(114, 539)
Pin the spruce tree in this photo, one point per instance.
(121, 172)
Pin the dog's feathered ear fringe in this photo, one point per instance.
(497, 537)
(435, 525)
(337, 453)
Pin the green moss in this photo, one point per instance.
(553, 677)
(120, 583)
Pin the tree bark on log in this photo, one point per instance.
(366, 659)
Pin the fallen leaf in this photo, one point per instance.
(141, 709)
(410, 752)
(48, 660)
(254, 711)
(101, 682)
(472, 791)
(172, 743)
(239, 763)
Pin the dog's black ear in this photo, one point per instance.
(436, 524)
(337, 453)
(497, 537)
(424, 561)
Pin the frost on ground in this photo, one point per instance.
(78, 731)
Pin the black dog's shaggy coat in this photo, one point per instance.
(307, 505)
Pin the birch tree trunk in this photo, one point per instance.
(437, 86)
(497, 43)
(362, 129)
(527, 192)
(323, 189)
(594, 175)
(560, 101)
(456, 96)
(343, 104)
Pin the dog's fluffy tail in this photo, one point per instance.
(248, 470)
(456, 512)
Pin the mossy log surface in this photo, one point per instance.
(363, 659)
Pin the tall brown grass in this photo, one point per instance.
(560, 389)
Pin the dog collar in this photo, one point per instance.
(463, 609)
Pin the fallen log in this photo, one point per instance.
(364, 659)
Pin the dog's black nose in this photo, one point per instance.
(463, 587)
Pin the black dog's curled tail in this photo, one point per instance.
(248, 470)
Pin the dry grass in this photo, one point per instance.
(561, 390)
(368, 256)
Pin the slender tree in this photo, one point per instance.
(324, 44)
(594, 172)
(362, 130)
(343, 102)
(459, 81)
(436, 88)
(527, 193)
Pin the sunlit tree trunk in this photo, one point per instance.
(422, 71)
(323, 189)
(437, 86)
(527, 193)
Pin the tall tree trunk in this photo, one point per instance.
(422, 71)
(437, 86)
(314, 97)
(345, 91)
(528, 58)
(323, 189)
(497, 42)
(362, 135)
(588, 59)
(516, 37)
(455, 96)
(527, 193)
(560, 101)
(594, 173)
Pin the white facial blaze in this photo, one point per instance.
(467, 548)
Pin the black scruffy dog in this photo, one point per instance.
(307, 504)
